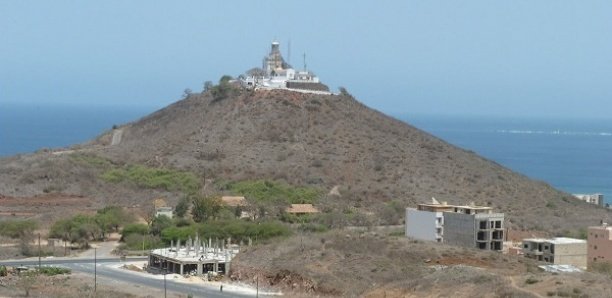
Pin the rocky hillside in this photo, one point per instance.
(324, 141)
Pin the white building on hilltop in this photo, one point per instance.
(278, 74)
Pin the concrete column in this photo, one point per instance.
(181, 271)
(216, 266)
(200, 269)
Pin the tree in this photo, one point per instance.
(22, 230)
(225, 79)
(17, 228)
(208, 85)
(344, 92)
(205, 208)
(187, 92)
(182, 207)
(110, 218)
(222, 90)
(78, 229)
(135, 228)
(159, 224)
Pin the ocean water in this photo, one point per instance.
(573, 155)
(25, 128)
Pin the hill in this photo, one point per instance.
(378, 164)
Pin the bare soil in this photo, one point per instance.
(322, 141)
(358, 264)
(45, 208)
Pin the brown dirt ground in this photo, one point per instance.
(369, 264)
(44, 208)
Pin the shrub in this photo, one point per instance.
(222, 90)
(138, 229)
(50, 271)
(222, 229)
(170, 180)
(178, 233)
(3, 271)
(602, 267)
(160, 223)
(138, 242)
(91, 160)
(313, 228)
(205, 208)
(17, 228)
(271, 191)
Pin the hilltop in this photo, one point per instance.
(377, 164)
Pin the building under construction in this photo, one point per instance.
(196, 257)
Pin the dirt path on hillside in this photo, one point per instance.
(523, 290)
(117, 134)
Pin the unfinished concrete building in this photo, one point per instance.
(468, 226)
(194, 258)
(561, 250)
(599, 240)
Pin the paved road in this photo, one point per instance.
(104, 268)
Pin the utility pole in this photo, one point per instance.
(257, 287)
(165, 272)
(95, 269)
(39, 252)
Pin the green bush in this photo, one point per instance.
(271, 191)
(178, 233)
(313, 228)
(136, 228)
(236, 229)
(17, 228)
(3, 271)
(170, 180)
(223, 90)
(49, 271)
(136, 242)
(160, 223)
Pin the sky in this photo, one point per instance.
(495, 58)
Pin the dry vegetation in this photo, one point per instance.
(64, 286)
(304, 139)
(352, 264)
(378, 166)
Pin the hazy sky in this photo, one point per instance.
(533, 58)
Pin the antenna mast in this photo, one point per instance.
(305, 61)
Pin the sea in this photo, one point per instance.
(573, 155)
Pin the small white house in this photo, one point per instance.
(166, 211)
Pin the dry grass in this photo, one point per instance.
(352, 264)
(305, 139)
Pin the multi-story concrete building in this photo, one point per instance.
(475, 226)
(469, 226)
(599, 244)
(596, 199)
(566, 251)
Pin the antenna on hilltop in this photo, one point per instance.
(304, 61)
